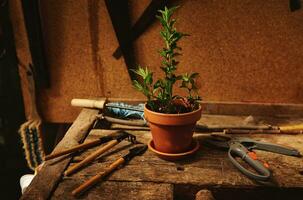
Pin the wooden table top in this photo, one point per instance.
(149, 177)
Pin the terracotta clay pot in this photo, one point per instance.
(172, 133)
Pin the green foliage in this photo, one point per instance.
(160, 94)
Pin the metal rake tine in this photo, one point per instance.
(132, 139)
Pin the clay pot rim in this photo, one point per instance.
(168, 114)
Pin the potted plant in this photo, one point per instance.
(171, 117)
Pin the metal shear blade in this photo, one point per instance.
(218, 141)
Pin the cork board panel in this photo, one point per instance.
(245, 51)
(248, 51)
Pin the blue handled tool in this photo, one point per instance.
(243, 147)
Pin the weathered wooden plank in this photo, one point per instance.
(208, 167)
(50, 174)
(115, 190)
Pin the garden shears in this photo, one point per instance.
(243, 147)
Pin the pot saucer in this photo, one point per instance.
(174, 156)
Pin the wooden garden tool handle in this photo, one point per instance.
(240, 131)
(73, 149)
(91, 157)
(290, 128)
(89, 103)
(95, 179)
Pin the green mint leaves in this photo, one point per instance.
(160, 94)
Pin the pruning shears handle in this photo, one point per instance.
(238, 150)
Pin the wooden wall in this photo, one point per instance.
(244, 50)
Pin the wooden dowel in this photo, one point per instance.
(95, 179)
(91, 157)
(73, 149)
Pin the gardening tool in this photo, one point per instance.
(286, 129)
(116, 140)
(293, 127)
(262, 131)
(90, 144)
(30, 131)
(139, 150)
(243, 147)
(120, 109)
